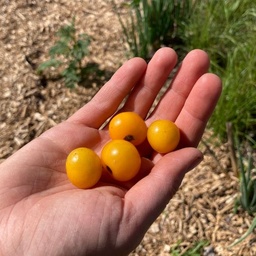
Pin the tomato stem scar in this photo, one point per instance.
(129, 138)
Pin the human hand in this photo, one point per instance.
(42, 213)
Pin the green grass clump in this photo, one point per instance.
(247, 198)
(238, 101)
(247, 176)
(154, 23)
(226, 31)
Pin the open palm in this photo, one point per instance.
(42, 213)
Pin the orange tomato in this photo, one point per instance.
(83, 167)
(163, 136)
(128, 126)
(121, 159)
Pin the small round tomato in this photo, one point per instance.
(121, 159)
(128, 126)
(163, 136)
(83, 167)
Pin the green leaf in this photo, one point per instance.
(60, 48)
(246, 234)
(48, 64)
(70, 75)
(80, 48)
(67, 33)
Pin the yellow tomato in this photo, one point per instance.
(128, 126)
(83, 167)
(163, 136)
(121, 159)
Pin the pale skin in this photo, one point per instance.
(42, 213)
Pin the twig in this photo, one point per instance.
(231, 148)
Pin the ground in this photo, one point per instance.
(203, 208)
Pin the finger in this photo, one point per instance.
(195, 64)
(148, 198)
(158, 70)
(198, 108)
(109, 97)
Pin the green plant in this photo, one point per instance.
(247, 177)
(68, 53)
(226, 31)
(196, 250)
(154, 23)
(238, 100)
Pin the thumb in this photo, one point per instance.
(149, 196)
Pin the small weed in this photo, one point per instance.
(247, 182)
(247, 176)
(68, 53)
